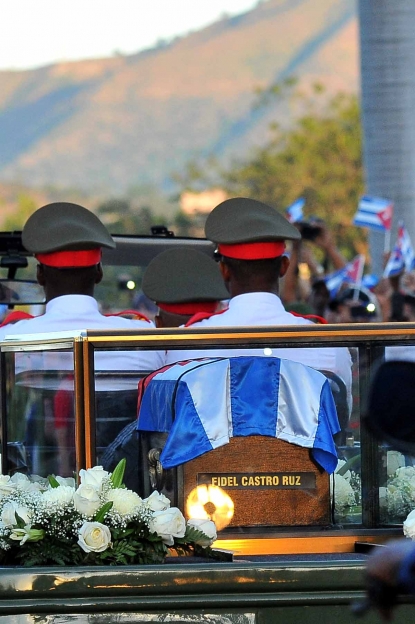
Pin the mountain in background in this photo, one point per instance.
(112, 124)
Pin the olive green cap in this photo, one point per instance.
(64, 226)
(244, 220)
(183, 275)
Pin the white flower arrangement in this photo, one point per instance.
(345, 486)
(409, 526)
(397, 499)
(100, 522)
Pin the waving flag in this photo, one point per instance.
(395, 265)
(350, 274)
(374, 213)
(405, 244)
(203, 403)
(294, 212)
(402, 256)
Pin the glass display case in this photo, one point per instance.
(66, 397)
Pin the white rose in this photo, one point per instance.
(94, 537)
(86, 500)
(93, 476)
(68, 481)
(394, 460)
(168, 524)
(157, 502)
(207, 527)
(8, 515)
(124, 501)
(63, 495)
(6, 485)
(409, 526)
(22, 482)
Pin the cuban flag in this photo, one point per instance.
(201, 404)
(374, 213)
(395, 265)
(351, 273)
(294, 213)
(402, 257)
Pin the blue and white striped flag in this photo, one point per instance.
(402, 257)
(203, 403)
(405, 244)
(395, 265)
(294, 213)
(374, 213)
(350, 274)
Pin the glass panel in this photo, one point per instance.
(397, 485)
(40, 426)
(346, 482)
(117, 374)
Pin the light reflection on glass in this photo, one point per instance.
(211, 502)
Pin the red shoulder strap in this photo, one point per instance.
(16, 315)
(201, 316)
(134, 315)
(311, 317)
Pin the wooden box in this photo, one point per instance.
(267, 481)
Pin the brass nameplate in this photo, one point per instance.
(260, 481)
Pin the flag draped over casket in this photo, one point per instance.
(203, 403)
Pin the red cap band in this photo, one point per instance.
(70, 259)
(192, 307)
(253, 251)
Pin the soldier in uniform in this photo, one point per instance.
(183, 282)
(67, 239)
(250, 238)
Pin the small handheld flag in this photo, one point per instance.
(351, 273)
(395, 265)
(374, 213)
(403, 255)
(294, 213)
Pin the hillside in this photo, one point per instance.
(110, 124)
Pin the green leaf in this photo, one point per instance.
(118, 474)
(52, 481)
(101, 513)
(19, 521)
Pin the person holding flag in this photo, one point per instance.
(401, 261)
(402, 257)
(294, 212)
(351, 273)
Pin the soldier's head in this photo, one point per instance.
(250, 238)
(67, 240)
(183, 282)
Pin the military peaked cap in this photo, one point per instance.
(181, 275)
(64, 235)
(248, 229)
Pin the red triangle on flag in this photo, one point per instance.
(385, 217)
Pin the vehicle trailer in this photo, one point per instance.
(309, 572)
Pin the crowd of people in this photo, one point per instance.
(306, 287)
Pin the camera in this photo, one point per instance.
(310, 228)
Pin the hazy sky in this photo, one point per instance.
(38, 32)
